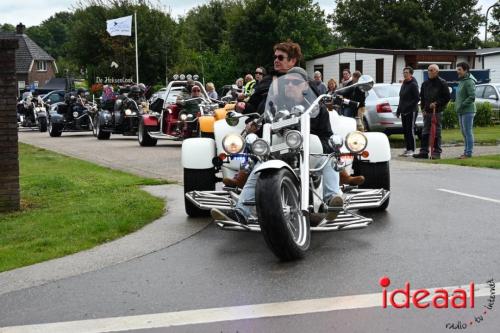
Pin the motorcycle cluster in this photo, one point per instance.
(289, 191)
(180, 111)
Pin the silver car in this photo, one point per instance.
(490, 93)
(381, 106)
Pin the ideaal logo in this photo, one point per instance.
(460, 298)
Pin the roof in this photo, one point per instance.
(56, 83)
(488, 51)
(396, 52)
(27, 51)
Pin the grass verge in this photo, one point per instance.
(69, 205)
(482, 136)
(484, 161)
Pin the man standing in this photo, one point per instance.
(408, 109)
(465, 106)
(320, 86)
(434, 96)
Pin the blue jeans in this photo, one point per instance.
(331, 187)
(466, 121)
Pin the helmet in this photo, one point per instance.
(142, 87)
(134, 92)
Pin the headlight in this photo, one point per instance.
(128, 112)
(356, 142)
(250, 138)
(190, 116)
(336, 141)
(260, 147)
(233, 143)
(176, 77)
(195, 77)
(182, 77)
(189, 76)
(75, 114)
(183, 116)
(37, 109)
(293, 139)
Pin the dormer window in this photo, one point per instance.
(41, 66)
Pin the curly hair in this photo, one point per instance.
(292, 49)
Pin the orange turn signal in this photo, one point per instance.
(365, 154)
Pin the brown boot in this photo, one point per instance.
(346, 179)
(238, 180)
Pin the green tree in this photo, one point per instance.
(409, 24)
(52, 35)
(494, 25)
(92, 47)
(256, 25)
(202, 44)
(6, 27)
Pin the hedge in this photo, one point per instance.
(482, 118)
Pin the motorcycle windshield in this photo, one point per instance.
(289, 95)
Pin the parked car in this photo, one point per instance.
(490, 93)
(381, 106)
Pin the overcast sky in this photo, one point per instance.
(33, 12)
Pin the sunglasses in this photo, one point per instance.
(259, 73)
(295, 82)
(279, 57)
(196, 90)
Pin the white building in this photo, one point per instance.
(386, 66)
(489, 59)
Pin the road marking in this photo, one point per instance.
(469, 195)
(204, 316)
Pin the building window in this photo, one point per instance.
(379, 70)
(319, 68)
(359, 65)
(342, 66)
(41, 66)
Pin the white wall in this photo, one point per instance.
(492, 62)
(331, 64)
(400, 64)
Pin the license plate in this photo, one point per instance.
(346, 158)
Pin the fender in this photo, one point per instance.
(150, 120)
(104, 117)
(341, 125)
(378, 147)
(221, 113)
(56, 118)
(276, 164)
(206, 124)
(198, 153)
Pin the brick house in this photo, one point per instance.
(33, 64)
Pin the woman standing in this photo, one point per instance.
(465, 106)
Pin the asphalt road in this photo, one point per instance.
(441, 229)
